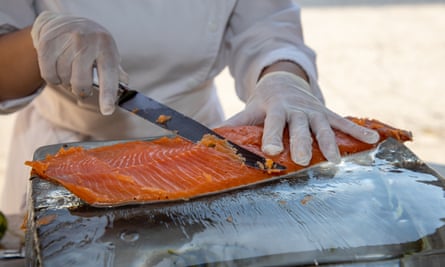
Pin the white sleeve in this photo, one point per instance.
(16, 14)
(262, 32)
(10, 106)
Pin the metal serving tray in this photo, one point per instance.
(383, 207)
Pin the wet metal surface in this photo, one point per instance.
(383, 206)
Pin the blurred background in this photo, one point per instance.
(378, 59)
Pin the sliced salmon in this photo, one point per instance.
(174, 168)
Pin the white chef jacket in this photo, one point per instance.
(172, 50)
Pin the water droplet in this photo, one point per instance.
(110, 245)
(129, 236)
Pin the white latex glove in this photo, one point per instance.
(68, 47)
(282, 98)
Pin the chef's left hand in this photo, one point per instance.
(282, 98)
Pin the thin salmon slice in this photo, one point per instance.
(171, 168)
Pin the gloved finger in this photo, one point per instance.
(108, 71)
(82, 74)
(325, 136)
(48, 64)
(45, 28)
(64, 66)
(274, 123)
(359, 132)
(300, 138)
(40, 22)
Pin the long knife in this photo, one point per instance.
(151, 110)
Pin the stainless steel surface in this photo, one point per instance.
(151, 110)
(384, 207)
(12, 253)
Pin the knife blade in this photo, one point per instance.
(186, 127)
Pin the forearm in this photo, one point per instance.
(19, 69)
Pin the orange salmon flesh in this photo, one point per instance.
(172, 168)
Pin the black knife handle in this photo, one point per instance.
(125, 94)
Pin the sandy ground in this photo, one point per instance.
(379, 61)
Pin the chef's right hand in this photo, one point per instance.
(69, 47)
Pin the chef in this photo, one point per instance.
(168, 50)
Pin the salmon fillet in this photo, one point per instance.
(171, 168)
